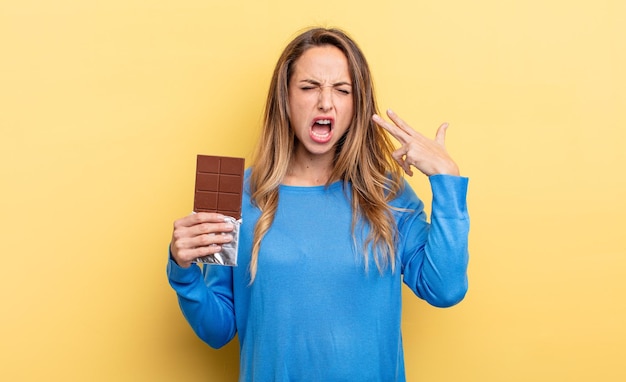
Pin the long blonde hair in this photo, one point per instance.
(362, 156)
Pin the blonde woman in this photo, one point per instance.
(330, 229)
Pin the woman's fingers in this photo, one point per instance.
(400, 156)
(405, 127)
(427, 155)
(393, 129)
(199, 235)
(440, 136)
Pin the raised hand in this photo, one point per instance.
(427, 155)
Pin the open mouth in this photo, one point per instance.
(321, 130)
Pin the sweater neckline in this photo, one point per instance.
(335, 185)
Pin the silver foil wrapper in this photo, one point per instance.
(228, 255)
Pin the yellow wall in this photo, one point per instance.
(104, 105)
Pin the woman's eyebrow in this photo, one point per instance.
(342, 83)
(312, 82)
(317, 83)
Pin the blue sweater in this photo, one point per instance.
(314, 312)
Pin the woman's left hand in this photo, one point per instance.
(427, 155)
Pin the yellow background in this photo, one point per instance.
(104, 105)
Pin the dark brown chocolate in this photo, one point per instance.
(219, 185)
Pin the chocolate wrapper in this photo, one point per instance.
(228, 255)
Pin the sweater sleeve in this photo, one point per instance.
(435, 256)
(205, 296)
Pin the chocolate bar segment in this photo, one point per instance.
(219, 185)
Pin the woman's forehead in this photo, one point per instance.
(324, 64)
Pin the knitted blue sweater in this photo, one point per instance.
(315, 312)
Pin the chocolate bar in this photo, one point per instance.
(219, 185)
(219, 188)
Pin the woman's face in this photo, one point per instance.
(320, 99)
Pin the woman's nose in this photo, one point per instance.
(325, 100)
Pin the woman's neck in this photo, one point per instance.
(309, 170)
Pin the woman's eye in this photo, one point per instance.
(344, 91)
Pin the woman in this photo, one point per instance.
(330, 230)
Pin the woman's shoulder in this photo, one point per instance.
(406, 198)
